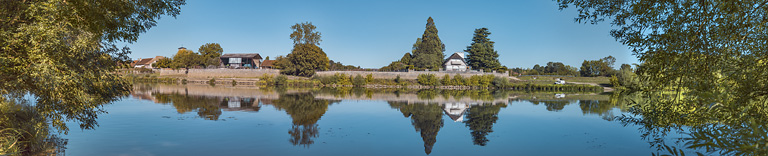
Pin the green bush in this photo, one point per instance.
(458, 80)
(427, 80)
(397, 79)
(267, 78)
(342, 79)
(183, 81)
(369, 78)
(473, 80)
(280, 80)
(358, 81)
(446, 80)
(485, 80)
(212, 82)
(234, 83)
(500, 82)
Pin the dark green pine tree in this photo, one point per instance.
(480, 120)
(481, 52)
(429, 53)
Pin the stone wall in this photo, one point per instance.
(409, 74)
(255, 73)
(218, 73)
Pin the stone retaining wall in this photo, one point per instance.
(408, 75)
(254, 73)
(218, 73)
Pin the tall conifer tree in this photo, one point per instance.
(481, 52)
(429, 53)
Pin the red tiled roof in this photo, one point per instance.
(145, 61)
(267, 63)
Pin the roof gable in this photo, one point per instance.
(242, 55)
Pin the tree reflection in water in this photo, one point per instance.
(480, 120)
(712, 127)
(305, 111)
(425, 118)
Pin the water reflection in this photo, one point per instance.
(477, 110)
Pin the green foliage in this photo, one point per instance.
(500, 82)
(458, 80)
(187, 59)
(427, 80)
(306, 56)
(473, 80)
(334, 66)
(280, 80)
(183, 81)
(614, 81)
(210, 53)
(304, 60)
(305, 111)
(397, 79)
(428, 52)
(342, 79)
(63, 54)
(358, 81)
(481, 52)
(165, 63)
(600, 67)
(446, 80)
(406, 59)
(369, 78)
(267, 78)
(234, 83)
(485, 80)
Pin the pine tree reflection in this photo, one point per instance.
(480, 120)
(425, 118)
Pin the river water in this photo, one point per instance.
(208, 120)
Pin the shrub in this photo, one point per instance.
(427, 79)
(485, 80)
(281, 80)
(183, 81)
(473, 80)
(397, 79)
(267, 78)
(446, 80)
(500, 82)
(234, 83)
(458, 80)
(369, 78)
(358, 81)
(342, 79)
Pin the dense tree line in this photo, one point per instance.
(207, 55)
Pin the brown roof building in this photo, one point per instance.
(268, 64)
(248, 60)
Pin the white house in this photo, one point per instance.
(455, 62)
(455, 111)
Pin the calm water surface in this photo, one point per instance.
(205, 120)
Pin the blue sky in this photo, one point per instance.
(371, 34)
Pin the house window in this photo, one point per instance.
(234, 60)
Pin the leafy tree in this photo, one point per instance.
(210, 53)
(429, 53)
(306, 56)
(164, 63)
(406, 59)
(186, 58)
(458, 80)
(210, 50)
(369, 78)
(481, 52)
(64, 53)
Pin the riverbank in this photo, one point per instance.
(368, 81)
